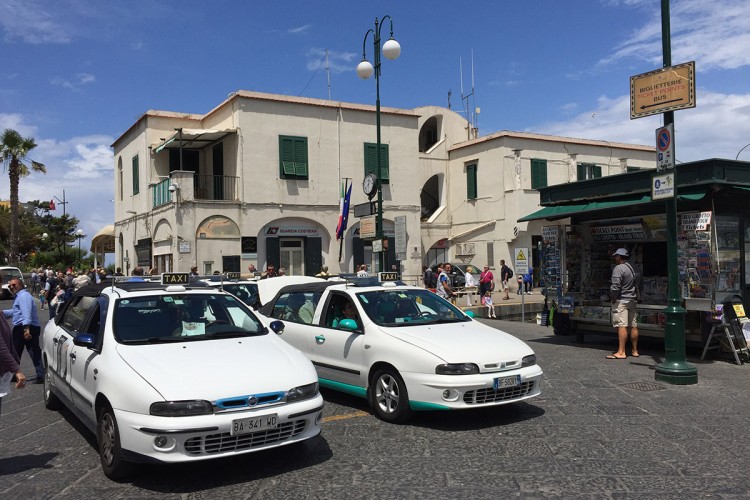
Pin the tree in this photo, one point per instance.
(13, 151)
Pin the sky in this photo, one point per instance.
(76, 74)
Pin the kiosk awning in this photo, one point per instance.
(563, 211)
(192, 138)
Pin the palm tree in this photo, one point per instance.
(13, 151)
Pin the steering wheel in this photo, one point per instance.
(215, 323)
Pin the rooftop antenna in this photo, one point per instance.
(471, 115)
(328, 73)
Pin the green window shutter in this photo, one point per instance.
(371, 161)
(293, 157)
(136, 176)
(471, 182)
(581, 172)
(597, 171)
(538, 174)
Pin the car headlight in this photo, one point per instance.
(529, 360)
(302, 392)
(181, 408)
(457, 369)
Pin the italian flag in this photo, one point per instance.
(345, 197)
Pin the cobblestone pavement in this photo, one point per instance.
(600, 429)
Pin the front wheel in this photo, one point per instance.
(110, 451)
(389, 397)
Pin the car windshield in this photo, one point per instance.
(182, 318)
(408, 307)
(246, 292)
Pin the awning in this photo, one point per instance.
(104, 240)
(563, 211)
(192, 138)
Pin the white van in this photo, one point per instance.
(7, 273)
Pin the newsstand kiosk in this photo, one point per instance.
(583, 223)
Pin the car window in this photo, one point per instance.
(246, 292)
(341, 307)
(297, 307)
(408, 307)
(74, 315)
(183, 317)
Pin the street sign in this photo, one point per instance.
(521, 261)
(364, 209)
(662, 186)
(662, 90)
(399, 224)
(665, 148)
(368, 227)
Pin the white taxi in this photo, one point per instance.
(403, 348)
(176, 373)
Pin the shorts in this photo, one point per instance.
(623, 314)
(505, 285)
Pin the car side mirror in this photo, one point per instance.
(347, 324)
(277, 327)
(85, 340)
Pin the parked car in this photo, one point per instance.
(403, 348)
(8, 273)
(244, 289)
(457, 274)
(176, 373)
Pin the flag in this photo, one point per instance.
(51, 204)
(346, 195)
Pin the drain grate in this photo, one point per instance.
(643, 386)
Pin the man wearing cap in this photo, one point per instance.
(623, 297)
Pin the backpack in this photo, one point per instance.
(509, 273)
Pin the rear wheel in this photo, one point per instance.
(51, 401)
(110, 452)
(389, 397)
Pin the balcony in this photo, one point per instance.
(215, 187)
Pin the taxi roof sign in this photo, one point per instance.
(175, 278)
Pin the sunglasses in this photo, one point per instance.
(12, 285)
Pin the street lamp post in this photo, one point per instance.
(391, 50)
(79, 236)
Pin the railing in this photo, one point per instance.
(215, 187)
(429, 204)
(160, 194)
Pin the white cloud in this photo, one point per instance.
(301, 30)
(76, 84)
(32, 22)
(700, 133)
(15, 122)
(339, 62)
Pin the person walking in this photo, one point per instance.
(528, 281)
(505, 275)
(428, 278)
(443, 288)
(470, 285)
(26, 326)
(10, 362)
(623, 296)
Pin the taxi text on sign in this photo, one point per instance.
(521, 261)
(662, 90)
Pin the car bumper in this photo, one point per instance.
(454, 392)
(203, 437)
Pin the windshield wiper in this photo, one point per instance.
(226, 335)
(155, 340)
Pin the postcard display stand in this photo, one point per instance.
(551, 262)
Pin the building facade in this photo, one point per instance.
(258, 180)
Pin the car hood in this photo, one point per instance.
(465, 342)
(215, 369)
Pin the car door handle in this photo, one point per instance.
(72, 356)
(320, 339)
(54, 340)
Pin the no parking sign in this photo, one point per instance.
(665, 148)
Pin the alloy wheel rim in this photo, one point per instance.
(387, 394)
(108, 438)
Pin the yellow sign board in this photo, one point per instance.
(367, 227)
(662, 90)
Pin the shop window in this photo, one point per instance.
(471, 181)
(293, 157)
(588, 171)
(538, 174)
(371, 161)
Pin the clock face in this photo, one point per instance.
(369, 184)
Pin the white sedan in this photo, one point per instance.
(176, 373)
(403, 348)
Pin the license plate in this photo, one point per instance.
(254, 424)
(503, 382)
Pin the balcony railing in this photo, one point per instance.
(215, 187)
(161, 194)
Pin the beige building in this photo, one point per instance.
(257, 180)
